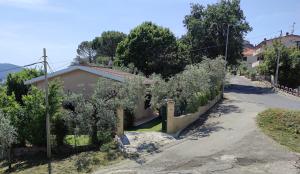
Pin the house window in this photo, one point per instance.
(244, 58)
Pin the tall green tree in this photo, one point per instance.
(15, 83)
(152, 49)
(207, 29)
(34, 114)
(289, 65)
(107, 43)
(85, 51)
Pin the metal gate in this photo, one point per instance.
(163, 115)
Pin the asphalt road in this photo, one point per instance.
(228, 142)
(245, 90)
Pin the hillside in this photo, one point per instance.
(6, 68)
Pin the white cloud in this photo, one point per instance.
(23, 3)
(32, 4)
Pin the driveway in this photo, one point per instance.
(228, 141)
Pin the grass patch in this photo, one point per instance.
(81, 140)
(282, 125)
(85, 162)
(152, 126)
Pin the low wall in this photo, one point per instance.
(175, 124)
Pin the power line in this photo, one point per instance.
(63, 66)
(24, 66)
(50, 67)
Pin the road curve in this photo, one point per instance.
(228, 142)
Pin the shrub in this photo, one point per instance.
(104, 136)
(205, 78)
(112, 145)
(198, 99)
(8, 134)
(95, 115)
(252, 74)
(83, 163)
(34, 112)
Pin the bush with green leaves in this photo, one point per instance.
(95, 116)
(34, 114)
(289, 65)
(15, 83)
(14, 112)
(204, 78)
(8, 135)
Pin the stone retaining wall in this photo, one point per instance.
(178, 123)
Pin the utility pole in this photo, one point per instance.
(47, 106)
(226, 50)
(293, 28)
(278, 58)
(226, 53)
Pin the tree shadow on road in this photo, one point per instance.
(200, 128)
(244, 89)
(203, 131)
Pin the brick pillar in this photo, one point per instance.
(170, 116)
(120, 121)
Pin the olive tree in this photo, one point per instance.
(95, 116)
(8, 136)
(196, 84)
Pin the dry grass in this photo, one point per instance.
(282, 125)
(85, 162)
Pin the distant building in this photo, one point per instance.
(253, 56)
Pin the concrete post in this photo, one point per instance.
(120, 121)
(170, 116)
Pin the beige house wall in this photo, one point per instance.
(82, 82)
(77, 81)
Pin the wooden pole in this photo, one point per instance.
(47, 106)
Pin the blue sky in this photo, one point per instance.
(26, 26)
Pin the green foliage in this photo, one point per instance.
(289, 65)
(106, 44)
(282, 125)
(31, 119)
(15, 83)
(96, 115)
(85, 53)
(8, 134)
(207, 27)
(79, 140)
(56, 112)
(35, 118)
(83, 163)
(196, 84)
(152, 49)
(108, 146)
(102, 60)
(198, 99)
(105, 136)
(243, 68)
(252, 74)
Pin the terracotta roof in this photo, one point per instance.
(112, 71)
(283, 38)
(248, 52)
